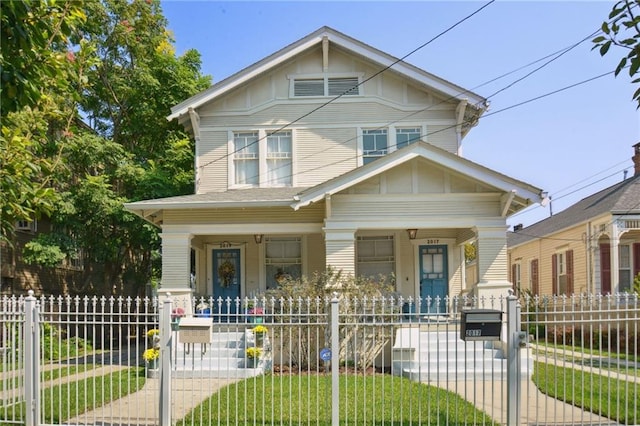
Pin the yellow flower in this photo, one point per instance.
(151, 354)
(254, 352)
(153, 332)
(259, 329)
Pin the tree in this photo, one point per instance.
(127, 77)
(37, 71)
(623, 30)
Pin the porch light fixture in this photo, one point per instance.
(412, 233)
(258, 238)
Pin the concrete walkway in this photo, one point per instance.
(142, 407)
(535, 408)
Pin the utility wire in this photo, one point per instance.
(359, 84)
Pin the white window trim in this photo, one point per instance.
(391, 137)
(23, 225)
(325, 76)
(262, 159)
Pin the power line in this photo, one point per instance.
(357, 85)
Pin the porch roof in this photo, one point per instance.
(517, 193)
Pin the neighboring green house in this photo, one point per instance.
(591, 247)
(331, 153)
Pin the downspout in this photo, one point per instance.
(460, 110)
(195, 125)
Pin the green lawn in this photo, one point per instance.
(64, 401)
(615, 399)
(296, 400)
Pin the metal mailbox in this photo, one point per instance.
(195, 330)
(480, 324)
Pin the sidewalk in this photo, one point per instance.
(142, 407)
(535, 408)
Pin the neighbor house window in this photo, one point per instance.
(515, 277)
(624, 268)
(283, 259)
(326, 86)
(279, 159)
(534, 283)
(407, 136)
(375, 256)
(374, 144)
(562, 272)
(245, 158)
(27, 225)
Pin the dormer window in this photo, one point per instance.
(310, 86)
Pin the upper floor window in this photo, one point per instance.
(245, 158)
(262, 159)
(279, 159)
(325, 86)
(374, 144)
(406, 136)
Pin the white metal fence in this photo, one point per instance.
(90, 361)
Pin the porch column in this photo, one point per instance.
(176, 265)
(615, 257)
(492, 261)
(340, 250)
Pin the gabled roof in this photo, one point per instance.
(356, 47)
(621, 198)
(523, 193)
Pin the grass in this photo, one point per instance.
(589, 351)
(67, 400)
(615, 399)
(48, 375)
(296, 400)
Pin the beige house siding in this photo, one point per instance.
(310, 214)
(543, 249)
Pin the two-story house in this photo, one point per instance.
(590, 247)
(331, 153)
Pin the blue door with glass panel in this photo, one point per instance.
(433, 279)
(226, 281)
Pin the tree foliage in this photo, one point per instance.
(623, 30)
(103, 140)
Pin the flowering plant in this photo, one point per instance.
(151, 354)
(153, 333)
(255, 311)
(260, 329)
(253, 352)
(177, 313)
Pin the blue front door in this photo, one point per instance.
(226, 280)
(433, 279)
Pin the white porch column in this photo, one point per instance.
(615, 257)
(176, 261)
(492, 261)
(340, 250)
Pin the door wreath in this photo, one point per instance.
(226, 272)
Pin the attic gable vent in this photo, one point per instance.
(346, 85)
(308, 87)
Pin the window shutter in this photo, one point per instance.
(569, 258)
(554, 274)
(308, 87)
(513, 278)
(347, 86)
(605, 269)
(636, 260)
(534, 277)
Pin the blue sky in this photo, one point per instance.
(570, 144)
